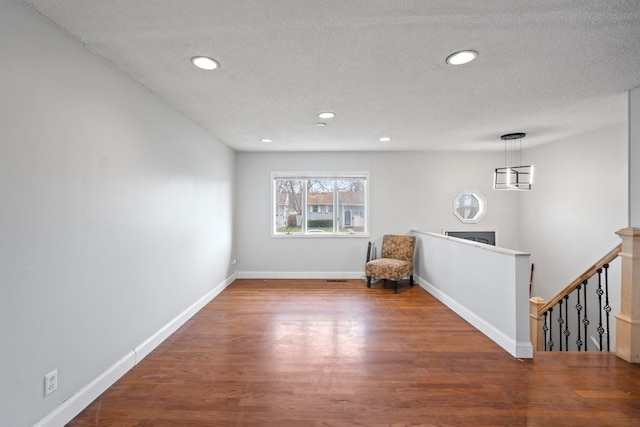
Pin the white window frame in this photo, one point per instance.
(304, 177)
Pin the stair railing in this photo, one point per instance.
(627, 320)
(553, 320)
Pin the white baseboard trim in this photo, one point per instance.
(300, 274)
(520, 350)
(165, 332)
(524, 350)
(80, 400)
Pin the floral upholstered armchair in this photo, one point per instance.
(396, 261)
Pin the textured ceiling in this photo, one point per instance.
(550, 68)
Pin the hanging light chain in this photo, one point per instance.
(510, 148)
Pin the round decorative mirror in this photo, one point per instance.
(469, 207)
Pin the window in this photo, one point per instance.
(319, 204)
(469, 207)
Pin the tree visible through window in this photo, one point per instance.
(319, 205)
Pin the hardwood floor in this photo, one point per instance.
(318, 353)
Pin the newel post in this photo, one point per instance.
(628, 321)
(536, 322)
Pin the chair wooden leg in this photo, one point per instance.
(395, 286)
(411, 280)
(368, 281)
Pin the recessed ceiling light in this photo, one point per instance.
(462, 57)
(205, 63)
(266, 140)
(384, 139)
(327, 115)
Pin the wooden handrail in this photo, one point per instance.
(613, 254)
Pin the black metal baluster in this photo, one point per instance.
(566, 324)
(600, 292)
(607, 307)
(579, 309)
(585, 320)
(550, 329)
(545, 328)
(560, 323)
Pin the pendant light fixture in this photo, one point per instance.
(513, 176)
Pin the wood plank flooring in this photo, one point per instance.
(317, 353)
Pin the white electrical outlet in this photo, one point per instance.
(50, 382)
(233, 262)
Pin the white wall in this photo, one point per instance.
(408, 190)
(634, 158)
(568, 221)
(116, 215)
(485, 285)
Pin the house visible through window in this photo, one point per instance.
(319, 204)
